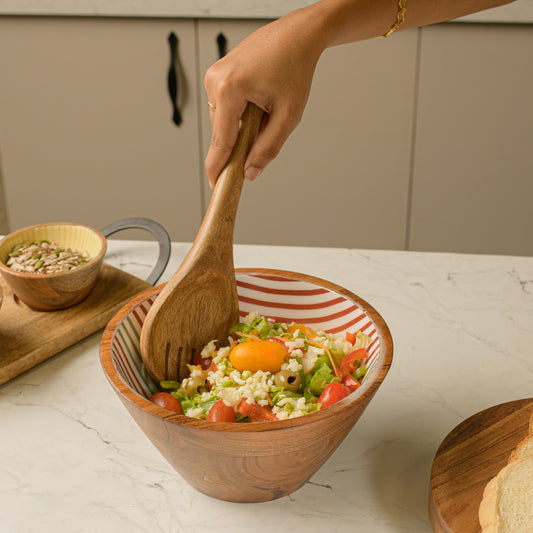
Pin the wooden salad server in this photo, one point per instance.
(200, 303)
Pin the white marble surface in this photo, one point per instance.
(518, 11)
(72, 459)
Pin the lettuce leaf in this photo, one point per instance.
(321, 377)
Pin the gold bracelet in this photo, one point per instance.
(400, 17)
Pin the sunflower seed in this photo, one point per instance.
(44, 257)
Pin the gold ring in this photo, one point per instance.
(211, 106)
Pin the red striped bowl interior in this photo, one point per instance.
(283, 299)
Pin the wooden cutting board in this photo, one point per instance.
(28, 337)
(468, 458)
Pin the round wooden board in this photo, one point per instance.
(471, 455)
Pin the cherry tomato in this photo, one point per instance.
(204, 362)
(167, 401)
(267, 356)
(256, 412)
(308, 332)
(347, 365)
(333, 393)
(220, 412)
(350, 382)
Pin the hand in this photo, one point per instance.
(272, 68)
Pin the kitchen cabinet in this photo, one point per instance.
(472, 177)
(419, 141)
(85, 122)
(342, 178)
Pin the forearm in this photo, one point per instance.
(346, 21)
(274, 66)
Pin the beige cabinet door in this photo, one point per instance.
(342, 179)
(85, 122)
(472, 182)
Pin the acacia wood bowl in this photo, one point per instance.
(250, 462)
(48, 292)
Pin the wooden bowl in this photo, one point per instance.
(47, 292)
(251, 462)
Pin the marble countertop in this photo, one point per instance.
(72, 459)
(520, 11)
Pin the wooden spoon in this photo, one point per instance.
(200, 303)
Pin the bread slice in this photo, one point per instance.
(507, 504)
(524, 449)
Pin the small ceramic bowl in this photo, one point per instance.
(47, 292)
(250, 462)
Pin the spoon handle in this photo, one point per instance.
(219, 221)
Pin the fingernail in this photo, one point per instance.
(252, 173)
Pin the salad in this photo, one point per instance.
(270, 371)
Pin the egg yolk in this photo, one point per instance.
(267, 356)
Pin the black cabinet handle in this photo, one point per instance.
(173, 78)
(222, 43)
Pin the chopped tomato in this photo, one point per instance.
(347, 365)
(256, 412)
(220, 412)
(350, 382)
(204, 362)
(333, 393)
(351, 337)
(212, 368)
(281, 340)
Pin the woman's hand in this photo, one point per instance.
(272, 68)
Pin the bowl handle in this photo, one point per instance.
(156, 230)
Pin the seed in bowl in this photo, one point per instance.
(44, 257)
(271, 371)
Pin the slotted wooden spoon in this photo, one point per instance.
(200, 303)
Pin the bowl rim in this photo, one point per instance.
(140, 402)
(32, 275)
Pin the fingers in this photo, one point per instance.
(225, 123)
(274, 131)
(277, 79)
(225, 113)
